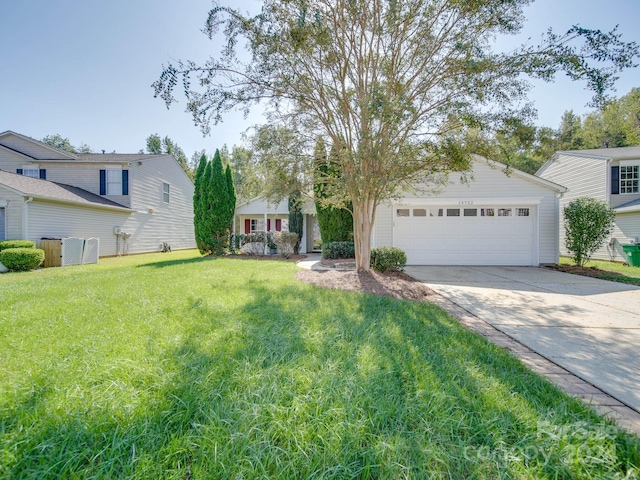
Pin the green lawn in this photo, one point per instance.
(621, 272)
(176, 366)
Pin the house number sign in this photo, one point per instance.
(465, 202)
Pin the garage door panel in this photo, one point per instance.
(467, 240)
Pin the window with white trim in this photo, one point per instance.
(165, 192)
(629, 178)
(257, 225)
(114, 182)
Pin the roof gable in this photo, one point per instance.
(522, 175)
(33, 148)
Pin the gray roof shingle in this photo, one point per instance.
(44, 189)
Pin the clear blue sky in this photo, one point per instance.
(84, 69)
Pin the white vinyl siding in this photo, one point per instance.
(13, 213)
(33, 149)
(59, 220)
(154, 221)
(85, 176)
(583, 177)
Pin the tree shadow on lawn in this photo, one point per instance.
(171, 263)
(303, 381)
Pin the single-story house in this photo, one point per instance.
(495, 218)
(131, 202)
(262, 215)
(611, 175)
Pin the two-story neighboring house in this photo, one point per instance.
(131, 202)
(611, 175)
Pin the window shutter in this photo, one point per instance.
(247, 226)
(103, 182)
(43, 174)
(19, 171)
(615, 180)
(125, 182)
(268, 225)
(278, 225)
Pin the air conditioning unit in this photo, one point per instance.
(633, 240)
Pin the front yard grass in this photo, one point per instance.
(177, 366)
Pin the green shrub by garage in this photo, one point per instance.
(338, 250)
(6, 244)
(21, 259)
(388, 259)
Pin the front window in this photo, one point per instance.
(257, 225)
(629, 176)
(114, 182)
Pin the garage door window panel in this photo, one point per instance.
(436, 212)
(402, 212)
(419, 212)
(453, 212)
(504, 212)
(470, 212)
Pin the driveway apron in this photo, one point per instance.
(588, 326)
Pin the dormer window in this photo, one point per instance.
(114, 181)
(33, 171)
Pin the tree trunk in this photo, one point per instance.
(363, 215)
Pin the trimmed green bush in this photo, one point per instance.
(388, 259)
(6, 244)
(21, 259)
(338, 250)
(587, 223)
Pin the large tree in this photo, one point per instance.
(389, 83)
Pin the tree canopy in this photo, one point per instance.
(390, 83)
(158, 145)
(58, 141)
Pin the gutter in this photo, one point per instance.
(25, 218)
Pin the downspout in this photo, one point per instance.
(25, 218)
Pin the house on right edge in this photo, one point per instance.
(611, 175)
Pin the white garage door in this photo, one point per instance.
(501, 235)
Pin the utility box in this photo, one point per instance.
(60, 252)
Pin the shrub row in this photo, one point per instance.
(388, 259)
(6, 244)
(20, 255)
(338, 250)
(383, 259)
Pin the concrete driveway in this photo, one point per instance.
(590, 327)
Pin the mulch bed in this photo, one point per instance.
(595, 273)
(392, 284)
